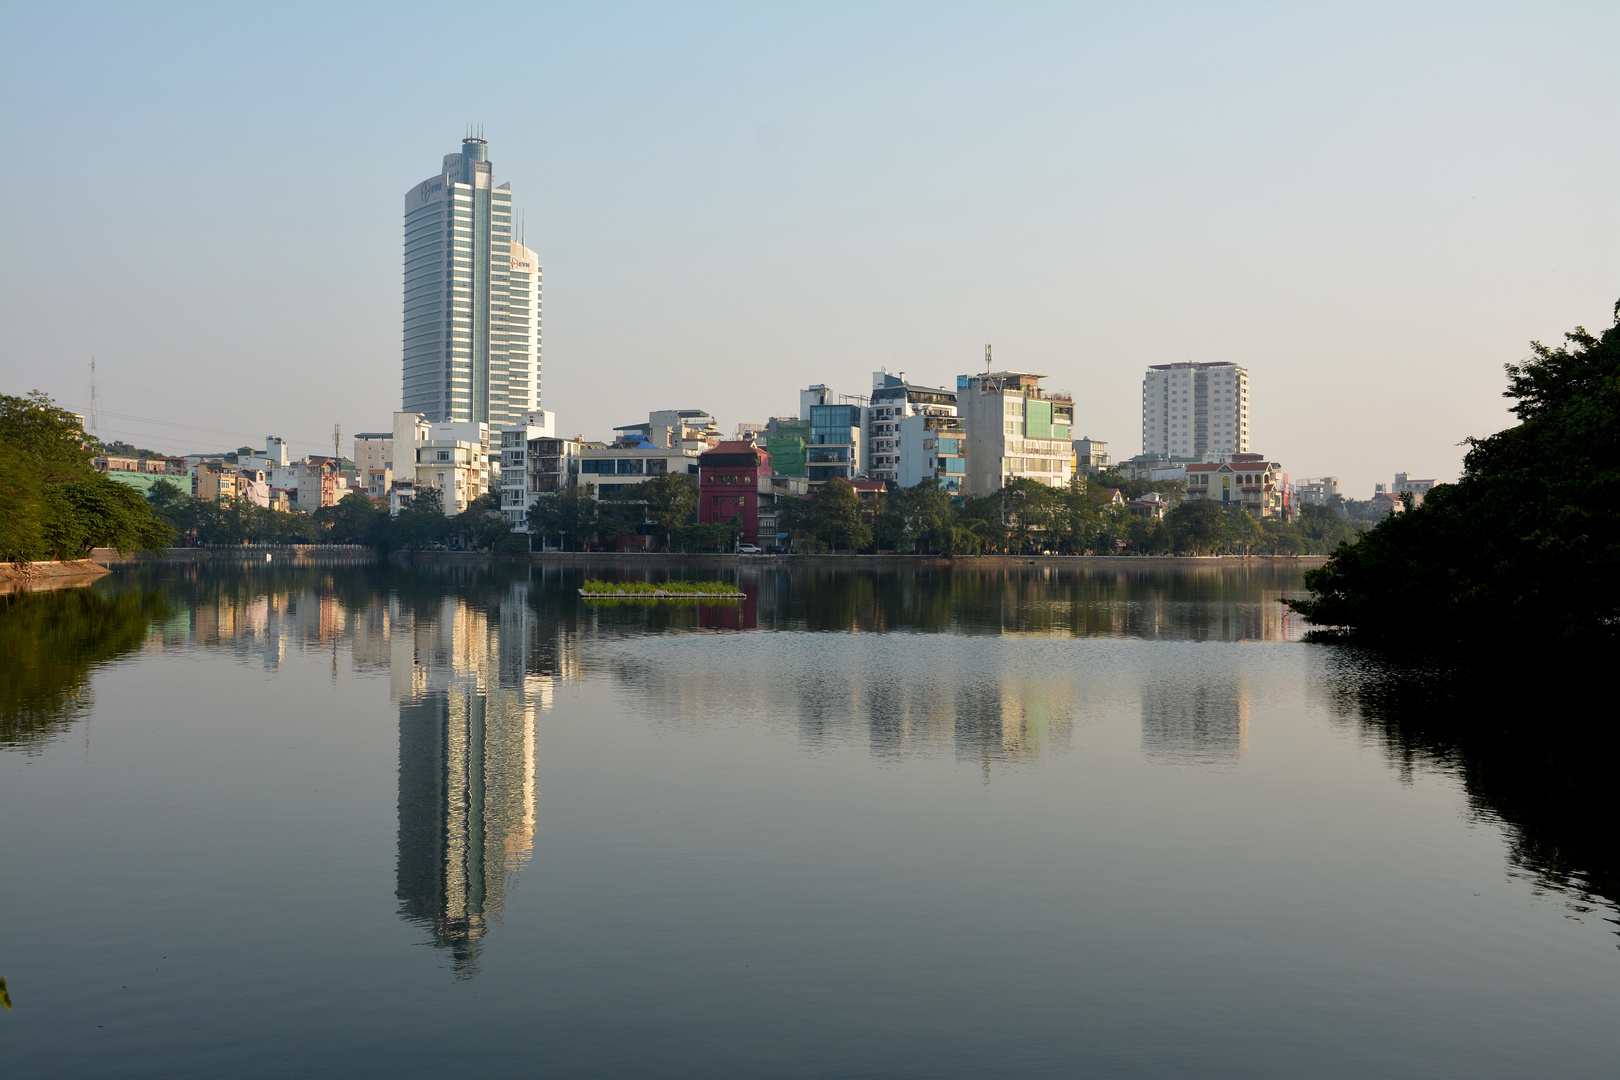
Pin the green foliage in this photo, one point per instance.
(680, 588)
(1135, 489)
(119, 448)
(672, 501)
(573, 516)
(1525, 547)
(53, 503)
(356, 519)
(834, 517)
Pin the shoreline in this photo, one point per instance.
(334, 554)
(28, 577)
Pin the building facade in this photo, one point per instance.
(893, 400)
(931, 448)
(734, 483)
(471, 298)
(1247, 480)
(452, 456)
(517, 490)
(1090, 455)
(1189, 410)
(1014, 430)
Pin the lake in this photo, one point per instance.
(1047, 820)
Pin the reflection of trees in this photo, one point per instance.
(1541, 768)
(50, 642)
(1202, 719)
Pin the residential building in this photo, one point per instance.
(1318, 490)
(1150, 505)
(1191, 409)
(143, 474)
(374, 450)
(1246, 480)
(1417, 487)
(517, 491)
(1014, 430)
(471, 341)
(785, 440)
(734, 479)
(452, 456)
(931, 447)
(607, 471)
(317, 484)
(213, 481)
(892, 401)
(681, 429)
(1090, 456)
(837, 443)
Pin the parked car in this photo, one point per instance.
(749, 549)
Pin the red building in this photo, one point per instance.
(731, 480)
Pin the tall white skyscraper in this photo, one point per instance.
(472, 297)
(1189, 410)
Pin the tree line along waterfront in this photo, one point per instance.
(1528, 538)
(60, 507)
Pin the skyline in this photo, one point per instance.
(1372, 210)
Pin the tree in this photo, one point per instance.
(672, 501)
(573, 515)
(926, 515)
(53, 503)
(834, 517)
(421, 522)
(481, 526)
(1524, 548)
(1198, 526)
(356, 519)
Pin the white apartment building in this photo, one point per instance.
(1090, 455)
(893, 400)
(452, 456)
(1189, 410)
(534, 431)
(471, 345)
(1014, 429)
(931, 447)
(608, 471)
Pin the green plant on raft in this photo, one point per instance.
(596, 587)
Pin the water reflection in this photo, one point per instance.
(1203, 720)
(467, 765)
(1543, 771)
(473, 655)
(49, 644)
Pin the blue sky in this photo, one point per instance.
(1372, 207)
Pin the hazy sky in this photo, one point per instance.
(1372, 208)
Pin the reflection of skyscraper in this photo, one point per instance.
(467, 775)
(1198, 718)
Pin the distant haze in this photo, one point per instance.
(1372, 208)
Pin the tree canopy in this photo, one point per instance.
(53, 503)
(1525, 547)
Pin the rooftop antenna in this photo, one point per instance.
(337, 438)
(95, 409)
(987, 359)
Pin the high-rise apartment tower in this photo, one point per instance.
(472, 297)
(1189, 410)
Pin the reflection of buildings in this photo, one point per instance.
(467, 767)
(1199, 718)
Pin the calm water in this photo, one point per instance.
(349, 822)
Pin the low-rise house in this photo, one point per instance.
(1246, 480)
(1151, 505)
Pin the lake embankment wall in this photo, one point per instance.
(863, 562)
(324, 554)
(49, 575)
